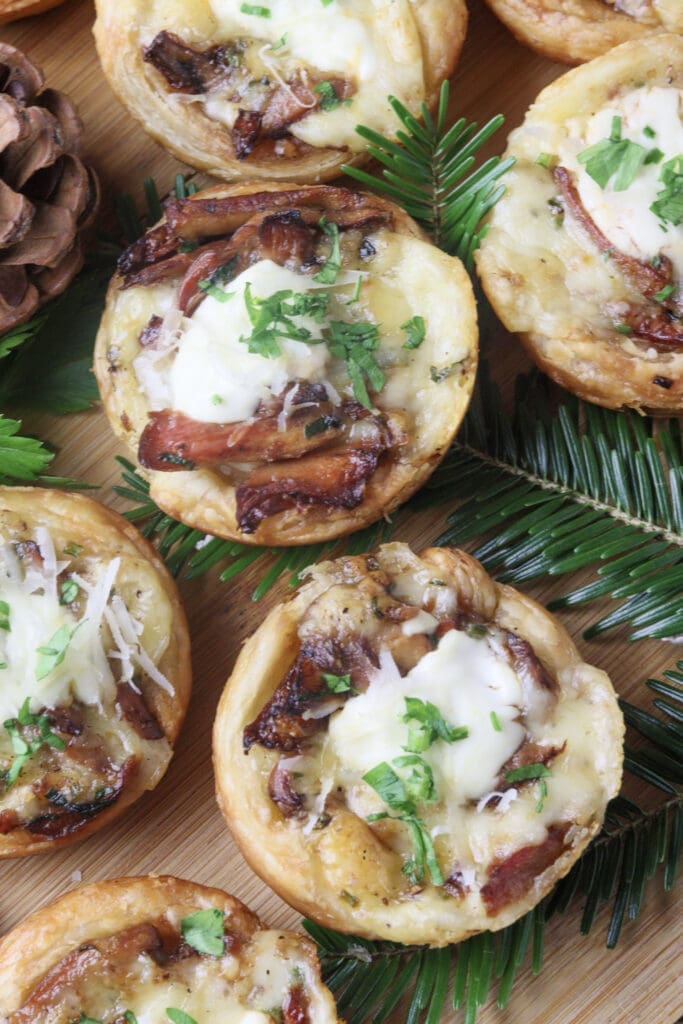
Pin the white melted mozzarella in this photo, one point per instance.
(466, 682)
(625, 217)
(214, 377)
(374, 45)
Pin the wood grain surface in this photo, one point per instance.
(178, 829)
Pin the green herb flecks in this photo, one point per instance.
(528, 771)
(430, 726)
(53, 653)
(614, 157)
(542, 794)
(212, 285)
(24, 747)
(329, 272)
(205, 931)
(68, 592)
(4, 616)
(258, 12)
(338, 684)
(355, 344)
(416, 330)
(328, 97)
(665, 293)
(272, 319)
(320, 425)
(668, 205)
(495, 722)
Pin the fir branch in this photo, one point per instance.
(558, 490)
(428, 172)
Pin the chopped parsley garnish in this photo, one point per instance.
(84, 1019)
(649, 132)
(528, 771)
(355, 344)
(73, 549)
(665, 292)
(68, 592)
(258, 12)
(338, 684)
(430, 726)
(542, 794)
(271, 319)
(326, 3)
(4, 616)
(477, 630)
(623, 329)
(211, 285)
(614, 157)
(282, 41)
(547, 160)
(328, 97)
(179, 1016)
(130, 1017)
(441, 373)
(3, 664)
(320, 425)
(53, 653)
(329, 271)
(205, 931)
(401, 793)
(654, 156)
(174, 459)
(356, 291)
(495, 722)
(24, 748)
(668, 205)
(415, 329)
(216, 400)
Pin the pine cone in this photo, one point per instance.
(48, 197)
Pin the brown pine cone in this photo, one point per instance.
(48, 197)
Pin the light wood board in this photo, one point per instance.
(178, 829)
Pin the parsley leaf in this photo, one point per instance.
(53, 653)
(668, 205)
(613, 157)
(204, 931)
(130, 1017)
(179, 1016)
(271, 318)
(338, 684)
(4, 616)
(211, 285)
(431, 725)
(258, 12)
(528, 771)
(355, 343)
(328, 97)
(68, 591)
(415, 329)
(24, 748)
(330, 269)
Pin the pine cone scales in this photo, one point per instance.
(48, 197)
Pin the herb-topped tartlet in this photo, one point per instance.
(288, 363)
(275, 89)
(579, 30)
(584, 253)
(94, 668)
(157, 949)
(410, 751)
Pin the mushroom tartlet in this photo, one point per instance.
(288, 363)
(410, 751)
(574, 31)
(275, 90)
(94, 668)
(584, 254)
(157, 948)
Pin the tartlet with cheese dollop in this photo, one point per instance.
(157, 948)
(584, 253)
(574, 31)
(288, 363)
(407, 750)
(275, 90)
(94, 668)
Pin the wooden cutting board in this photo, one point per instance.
(178, 829)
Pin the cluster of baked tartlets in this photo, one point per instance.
(421, 753)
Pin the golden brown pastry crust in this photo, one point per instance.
(97, 911)
(573, 31)
(204, 498)
(342, 875)
(206, 143)
(568, 330)
(12, 10)
(105, 534)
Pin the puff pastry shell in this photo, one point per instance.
(574, 31)
(290, 756)
(111, 729)
(107, 948)
(595, 293)
(251, 110)
(427, 387)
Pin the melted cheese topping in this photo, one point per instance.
(467, 683)
(101, 629)
(249, 988)
(625, 217)
(200, 366)
(374, 45)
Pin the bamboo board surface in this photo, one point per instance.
(178, 828)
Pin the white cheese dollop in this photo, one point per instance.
(625, 217)
(214, 377)
(466, 682)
